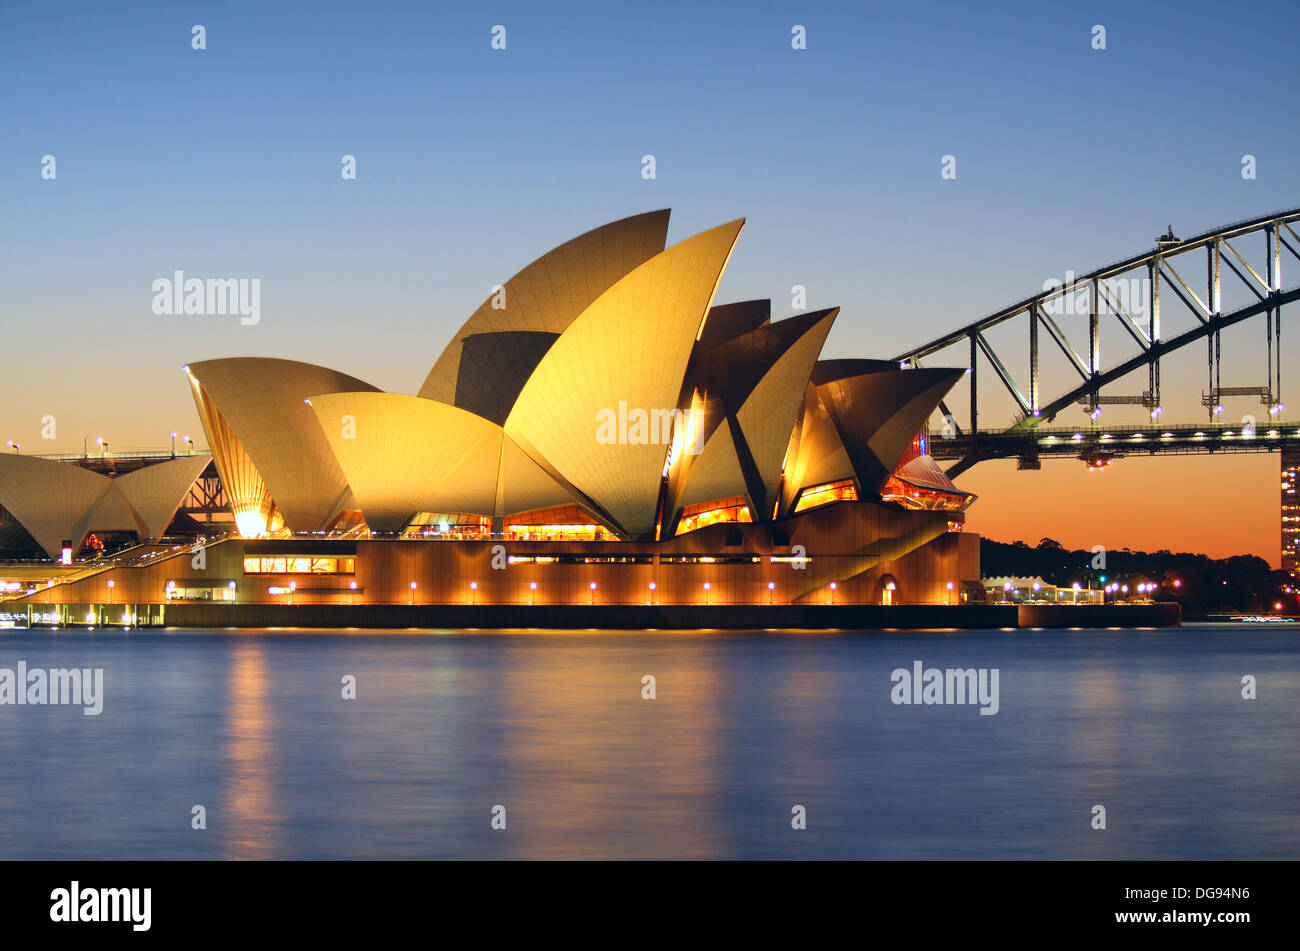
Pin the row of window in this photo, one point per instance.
(311, 565)
(298, 565)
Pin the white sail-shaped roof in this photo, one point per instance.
(768, 415)
(492, 355)
(54, 501)
(262, 401)
(156, 492)
(627, 353)
(407, 455)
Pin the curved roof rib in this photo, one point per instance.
(543, 299)
(256, 417)
(625, 355)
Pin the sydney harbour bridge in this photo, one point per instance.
(1183, 294)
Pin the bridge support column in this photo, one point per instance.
(974, 393)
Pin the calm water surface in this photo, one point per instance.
(552, 725)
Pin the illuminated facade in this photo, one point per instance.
(601, 422)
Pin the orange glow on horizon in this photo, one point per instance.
(1219, 505)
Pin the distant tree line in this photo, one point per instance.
(1241, 584)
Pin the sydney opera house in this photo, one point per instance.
(599, 431)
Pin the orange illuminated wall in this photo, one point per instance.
(845, 552)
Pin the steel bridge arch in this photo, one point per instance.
(1160, 271)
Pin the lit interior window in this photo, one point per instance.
(732, 509)
(842, 491)
(913, 497)
(564, 523)
(298, 565)
(448, 525)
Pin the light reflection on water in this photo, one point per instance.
(552, 726)
(250, 757)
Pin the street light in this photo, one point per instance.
(950, 586)
(771, 589)
(14, 446)
(833, 587)
(532, 591)
(591, 599)
(103, 445)
(652, 593)
(707, 586)
(190, 443)
(173, 442)
(412, 601)
(473, 591)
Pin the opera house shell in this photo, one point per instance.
(50, 505)
(601, 399)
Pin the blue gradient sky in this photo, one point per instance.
(472, 162)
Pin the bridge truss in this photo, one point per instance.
(1125, 297)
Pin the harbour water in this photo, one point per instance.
(743, 727)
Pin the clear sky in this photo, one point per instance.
(225, 162)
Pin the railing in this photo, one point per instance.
(449, 536)
(166, 547)
(121, 454)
